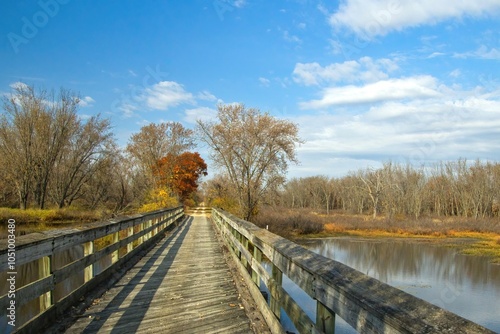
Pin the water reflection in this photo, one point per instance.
(468, 286)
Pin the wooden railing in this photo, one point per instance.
(366, 304)
(114, 241)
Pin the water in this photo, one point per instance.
(466, 285)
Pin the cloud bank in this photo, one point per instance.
(371, 18)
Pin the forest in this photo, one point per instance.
(53, 158)
(453, 188)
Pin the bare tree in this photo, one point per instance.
(373, 181)
(254, 149)
(33, 132)
(90, 146)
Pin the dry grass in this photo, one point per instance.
(342, 223)
(36, 220)
(289, 223)
(484, 233)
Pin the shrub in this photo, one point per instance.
(158, 199)
(288, 223)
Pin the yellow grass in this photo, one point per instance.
(484, 243)
(37, 220)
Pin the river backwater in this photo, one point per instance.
(466, 285)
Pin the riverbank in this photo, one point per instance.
(37, 220)
(482, 236)
(469, 243)
(450, 232)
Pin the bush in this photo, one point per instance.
(158, 199)
(289, 223)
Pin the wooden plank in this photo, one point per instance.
(182, 285)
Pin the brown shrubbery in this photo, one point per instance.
(295, 222)
(289, 223)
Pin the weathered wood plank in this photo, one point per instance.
(183, 285)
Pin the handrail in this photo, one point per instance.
(365, 303)
(121, 239)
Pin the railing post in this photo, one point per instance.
(237, 235)
(156, 222)
(130, 245)
(143, 237)
(325, 319)
(257, 256)
(115, 254)
(244, 242)
(145, 226)
(88, 272)
(44, 270)
(274, 301)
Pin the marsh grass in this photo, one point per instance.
(37, 220)
(289, 223)
(484, 234)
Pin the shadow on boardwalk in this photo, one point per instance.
(140, 303)
(183, 285)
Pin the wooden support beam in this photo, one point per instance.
(325, 319)
(275, 298)
(130, 245)
(45, 270)
(257, 257)
(88, 272)
(115, 255)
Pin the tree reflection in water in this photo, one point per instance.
(466, 285)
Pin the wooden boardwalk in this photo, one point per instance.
(183, 285)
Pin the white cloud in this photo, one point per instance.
(369, 18)
(161, 96)
(378, 117)
(419, 131)
(384, 90)
(86, 101)
(365, 70)
(239, 3)
(206, 96)
(128, 109)
(166, 94)
(201, 113)
(455, 73)
(264, 81)
(436, 54)
(291, 38)
(18, 85)
(482, 53)
(314, 73)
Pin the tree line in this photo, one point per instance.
(253, 150)
(454, 188)
(51, 157)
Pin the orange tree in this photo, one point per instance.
(181, 173)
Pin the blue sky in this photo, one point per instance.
(367, 81)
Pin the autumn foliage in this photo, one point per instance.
(180, 173)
